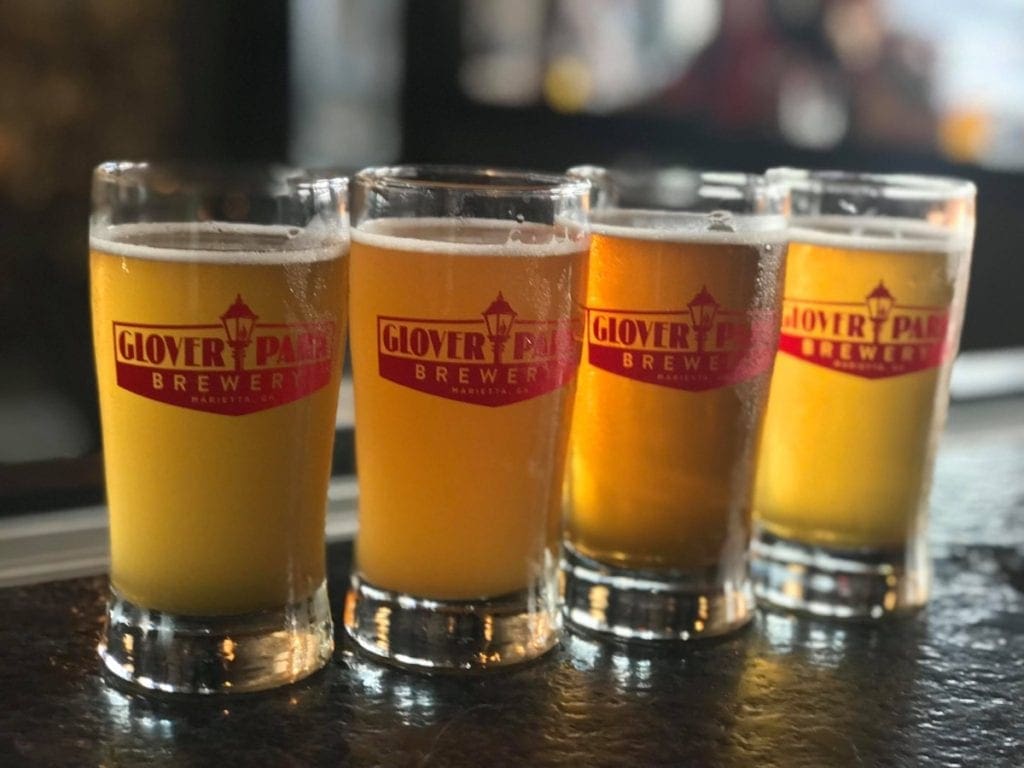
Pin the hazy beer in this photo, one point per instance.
(460, 430)
(874, 298)
(218, 319)
(869, 329)
(680, 333)
(466, 286)
(217, 456)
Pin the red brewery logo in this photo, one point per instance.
(874, 338)
(704, 346)
(496, 358)
(234, 367)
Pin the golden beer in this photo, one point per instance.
(218, 354)
(870, 324)
(679, 337)
(464, 357)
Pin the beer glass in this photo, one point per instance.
(681, 328)
(218, 310)
(874, 298)
(466, 285)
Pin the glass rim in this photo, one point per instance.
(476, 179)
(903, 186)
(715, 204)
(653, 173)
(661, 191)
(214, 176)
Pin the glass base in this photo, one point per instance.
(651, 606)
(846, 584)
(170, 653)
(452, 635)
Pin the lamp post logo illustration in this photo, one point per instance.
(702, 311)
(703, 346)
(189, 366)
(499, 317)
(873, 337)
(880, 303)
(238, 322)
(494, 358)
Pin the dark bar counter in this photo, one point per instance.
(944, 687)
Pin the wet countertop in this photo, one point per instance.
(944, 687)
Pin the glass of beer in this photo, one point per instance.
(682, 312)
(466, 289)
(874, 299)
(218, 311)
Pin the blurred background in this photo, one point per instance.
(879, 85)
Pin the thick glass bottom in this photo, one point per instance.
(651, 605)
(453, 635)
(845, 584)
(170, 653)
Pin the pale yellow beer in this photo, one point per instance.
(850, 433)
(459, 500)
(660, 471)
(214, 513)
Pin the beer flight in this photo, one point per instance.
(631, 401)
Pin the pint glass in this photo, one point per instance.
(466, 286)
(874, 299)
(218, 309)
(681, 329)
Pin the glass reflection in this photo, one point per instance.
(504, 716)
(627, 668)
(201, 731)
(828, 694)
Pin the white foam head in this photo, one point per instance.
(682, 226)
(472, 237)
(219, 243)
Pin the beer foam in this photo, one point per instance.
(876, 233)
(723, 228)
(218, 243)
(472, 237)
